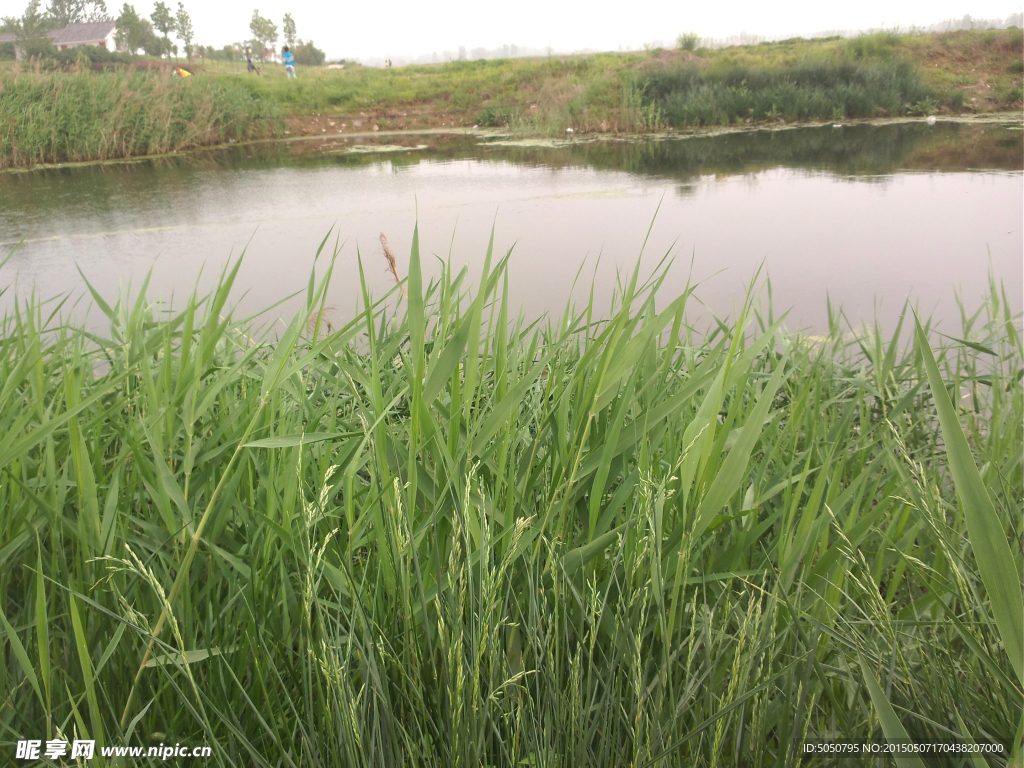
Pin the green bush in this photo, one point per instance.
(90, 54)
(308, 55)
(99, 55)
(688, 41)
(48, 57)
(690, 96)
(876, 45)
(954, 100)
(497, 117)
(40, 48)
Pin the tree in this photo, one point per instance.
(264, 33)
(64, 12)
(30, 32)
(164, 22)
(131, 35)
(688, 41)
(288, 27)
(33, 25)
(183, 23)
(95, 10)
(152, 43)
(308, 55)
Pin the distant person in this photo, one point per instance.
(252, 67)
(289, 61)
(387, 63)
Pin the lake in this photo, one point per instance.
(864, 215)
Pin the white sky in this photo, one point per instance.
(413, 27)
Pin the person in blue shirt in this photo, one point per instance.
(289, 61)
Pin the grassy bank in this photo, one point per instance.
(828, 79)
(439, 536)
(101, 115)
(54, 117)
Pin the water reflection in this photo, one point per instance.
(856, 150)
(861, 213)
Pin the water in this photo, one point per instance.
(867, 216)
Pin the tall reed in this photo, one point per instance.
(53, 117)
(442, 535)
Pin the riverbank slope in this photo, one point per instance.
(85, 115)
(880, 75)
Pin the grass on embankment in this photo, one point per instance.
(54, 117)
(871, 75)
(444, 537)
(888, 74)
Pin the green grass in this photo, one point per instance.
(458, 92)
(687, 96)
(870, 75)
(442, 535)
(54, 117)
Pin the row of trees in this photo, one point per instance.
(265, 36)
(135, 33)
(306, 54)
(152, 36)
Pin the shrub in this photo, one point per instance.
(497, 117)
(99, 55)
(40, 48)
(877, 45)
(308, 55)
(954, 100)
(807, 90)
(688, 41)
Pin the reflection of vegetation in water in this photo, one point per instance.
(850, 150)
(989, 147)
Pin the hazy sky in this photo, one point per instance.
(413, 27)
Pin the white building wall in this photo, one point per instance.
(107, 42)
